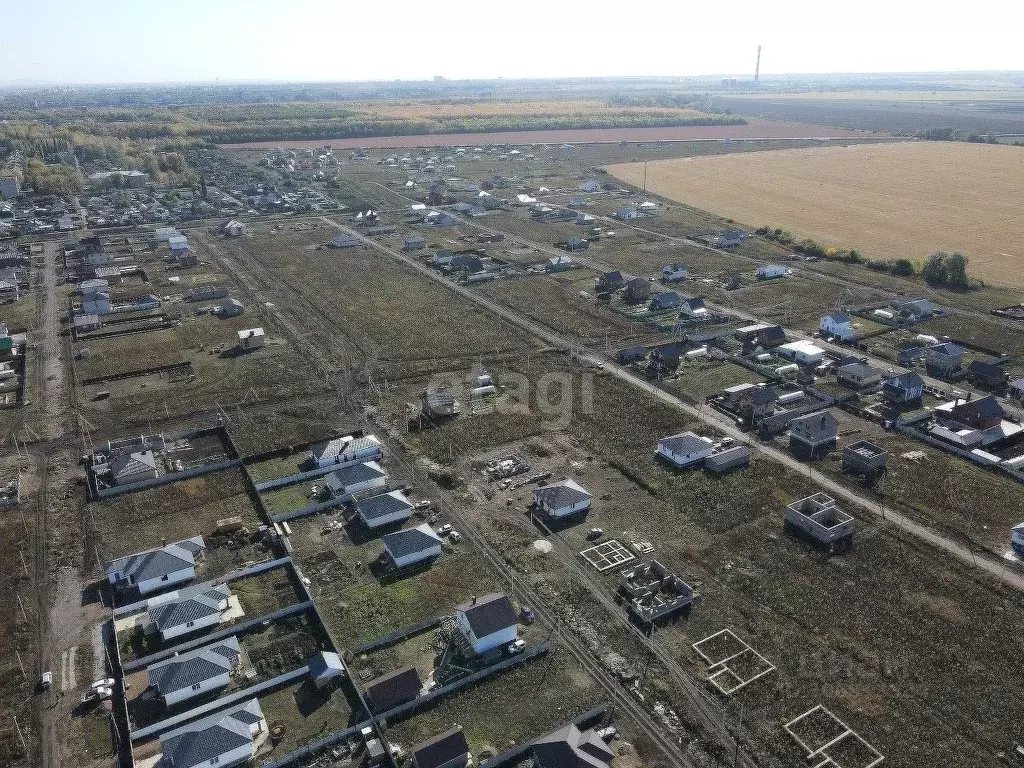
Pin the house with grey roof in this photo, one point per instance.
(562, 499)
(196, 672)
(188, 610)
(440, 402)
(903, 391)
(838, 325)
(813, 435)
(131, 468)
(225, 739)
(859, 375)
(569, 747)
(488, 622)
(448, 749)
(944, 360)
(383, 509)
(412, 546)
(157, 568)
(230, 307)
(356, 478)
(685, 449)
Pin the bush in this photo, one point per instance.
(947, 269)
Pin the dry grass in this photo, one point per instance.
(888, 200)
(487, 108)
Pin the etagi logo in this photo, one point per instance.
(558, 396)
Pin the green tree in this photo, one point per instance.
(947, 269)
(903, 268)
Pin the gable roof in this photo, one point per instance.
(210, 737)
(948, 349)
(441, 749)
(986, 369)
(341, 478)
(394, 688)
(187, 669)
(819, 422)
(489, 614)
(838, 317)
(341, 446)
(410, 541)
(908, 380)
(697, 302)
(154, 563)
(189, 605)
(129, 464)
(569, 747)
(760, 395)
(326, 664)
(561, 494)
(981, 409)
(859, 369)
(686, 443)
(383, 505)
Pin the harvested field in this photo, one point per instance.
(754, 130)
(888, 200)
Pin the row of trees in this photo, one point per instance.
(942, 269)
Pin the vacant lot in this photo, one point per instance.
(887, 200)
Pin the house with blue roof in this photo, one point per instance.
(157, 568)
(225, 739)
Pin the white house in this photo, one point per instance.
(384, 509)
(488, 622)
(771, 271)
(803, 352)
(177, 242)
(838, 325)
(346, 450)
(97, 304)
(195, 673)
(251, 338)
(684, 449)
(411, 546)
(562, 499)
(228, 738)
(356, 478)
(130, 468)
(590, 185)
(187, 610)
(233, 228)
(157, 568)
(672, 273)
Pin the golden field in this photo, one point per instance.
(889, 201)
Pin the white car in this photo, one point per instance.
(105, 683)
(516, 646)
(455, 537)
(444, 530)
(425, 504)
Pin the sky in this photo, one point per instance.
(108, 41)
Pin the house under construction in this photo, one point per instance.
(654, 591)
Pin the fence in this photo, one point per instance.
(170, 477)
(394, 637)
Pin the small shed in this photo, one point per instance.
(325, 667)
(251, 338)
(729, 459)
(392, 689)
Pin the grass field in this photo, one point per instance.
(903, 200)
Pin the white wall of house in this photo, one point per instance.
(234, 757)
(176, 577)
(416, 557)
(672, 275)
(684, 459)
(841, 330)
(193, 626)
(366, 485)
(488, 642)
(220, 681)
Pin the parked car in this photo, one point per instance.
(105, 683)
(516, 646)
(425, 504)
(455, 537)
(608, 733)
(528, 615)
(46, 680)
(444, 530)
(595, 533)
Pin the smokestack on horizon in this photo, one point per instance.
(757, 67)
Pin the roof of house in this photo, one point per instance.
(394, 688)
(697, 302)
(569, 747)
(441, 749)
(383, 505)
(838, 317)
(154, 563)
(761, 395)
(819, 422)
(947, 348)
(353, 474)
(342, 445)
(561, 494)
(669, 298)
(190, 605)
(802, 346)
(685, 443)
(858, 369)
(489, 614)
(129, 464)
(410, 541)
(908, 380)
(187, 669)
(199, 742)
(611, 277)
(980, 409)
(986, 369)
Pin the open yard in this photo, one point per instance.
(901, 200)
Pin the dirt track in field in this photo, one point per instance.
(755, 129)
(899, 200)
